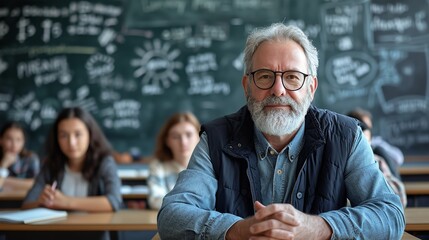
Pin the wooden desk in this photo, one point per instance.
(11, 199)
(414, 169)
(134, 196)
(145, 220)
(123, 220)
(133, 171)
(12, 195)
(414, 172)
(408, 236)
(405, 236)
(18, 196)
(417, 188)
(417, 219)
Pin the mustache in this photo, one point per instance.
(278, 100)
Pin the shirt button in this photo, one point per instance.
(279, 171)
(292, 157)
(272, 152)
(299, 195)
(239, 145)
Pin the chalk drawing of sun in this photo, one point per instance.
(156, 64)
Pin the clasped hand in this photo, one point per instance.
(279, 221)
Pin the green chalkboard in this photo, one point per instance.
(133, 63)
(130, 63)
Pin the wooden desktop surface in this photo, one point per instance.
(123, 220)
(405, 236)
(414, 169)
(12, 195)
(417, 219)
(20, 195)
(408, 236)
(145, 220)
(417, 188)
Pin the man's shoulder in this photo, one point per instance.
(322, 113)
(330, 119)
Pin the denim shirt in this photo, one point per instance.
(277, 170)
(188, 210)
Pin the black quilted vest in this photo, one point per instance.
(319, 185)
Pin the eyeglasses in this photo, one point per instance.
(265, 78)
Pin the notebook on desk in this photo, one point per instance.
(32, 215)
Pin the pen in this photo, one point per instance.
(54, 185)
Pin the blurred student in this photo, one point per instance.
(391, 154)
(394, 182)
(174, 146)
(79, 172)
(18, 166)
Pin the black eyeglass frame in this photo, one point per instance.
(281, 76)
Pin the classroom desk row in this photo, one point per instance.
(13, 199)
(417, 188)
(414, 172)
(411, 188)
(417, 193)
(123, 220)
(19, 195)
(145, 220)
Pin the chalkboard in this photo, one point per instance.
(133, 63)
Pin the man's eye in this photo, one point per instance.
(291, 77)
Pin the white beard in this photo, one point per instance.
(278, 122)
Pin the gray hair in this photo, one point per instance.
(279, 31)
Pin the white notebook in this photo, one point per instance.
(32, 215)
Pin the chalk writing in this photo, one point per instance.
(123, 114)
(4, 29)
(399, 22)
(4, 101)
(407, 132)
(133, 63)
(341, 23)
(156, 65)
(201, 63)
(99, 65)
(206, 85)
(176, 34)
(45, 71)
(351, 69)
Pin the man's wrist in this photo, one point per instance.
(324, 230)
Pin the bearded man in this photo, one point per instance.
(280, 168)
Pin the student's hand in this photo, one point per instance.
(283, 221)
(46, 198)
(60, 201)
(8, 159)
(54, 198)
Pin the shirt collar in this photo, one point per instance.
(292, 149)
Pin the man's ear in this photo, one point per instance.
(245, 83)
(313, 86)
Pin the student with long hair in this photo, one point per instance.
(79, 172)
(175, 143)
(18, 166)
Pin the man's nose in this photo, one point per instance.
(278, 89)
